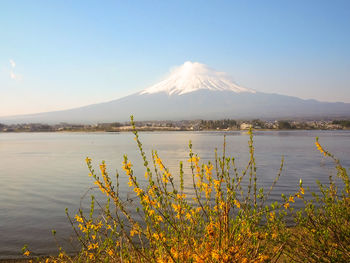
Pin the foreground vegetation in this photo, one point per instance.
(226, 217)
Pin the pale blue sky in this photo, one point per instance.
(63, 54)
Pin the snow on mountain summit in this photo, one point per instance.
(193, 76)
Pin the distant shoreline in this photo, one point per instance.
(184, 125)
(168, 130)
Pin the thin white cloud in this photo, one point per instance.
(12, 75)
(15, 76)
(13, 63)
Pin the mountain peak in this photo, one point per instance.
(193, 76)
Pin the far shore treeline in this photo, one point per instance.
(183, 125)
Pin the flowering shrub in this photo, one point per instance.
(219, 221)
(323, 225)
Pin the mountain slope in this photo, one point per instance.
(192, 91)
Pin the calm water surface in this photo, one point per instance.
(43, 173)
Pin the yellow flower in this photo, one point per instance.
(216, 182)
(103, 168)
(99, 225)
(215, 255)
(286, 205)
(133, 232)
(159, 162)
(151, 192)
(319, 147)
(237, 203)
(194, 159)
(165, 180)
(181, 196)
(138, 191)
(146, 199)
(207, 190)
(156, 236)
(291, 199)
(110, 252)
(176, 207)
(208, 169)
(302, 190)
(126, 166)
(27, 253)
(79, 219)
(92, 246)
(87, 160)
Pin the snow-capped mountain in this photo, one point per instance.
(192, 91)
(193, 76)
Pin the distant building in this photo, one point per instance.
(246, 126)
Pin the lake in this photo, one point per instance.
(43, 173)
